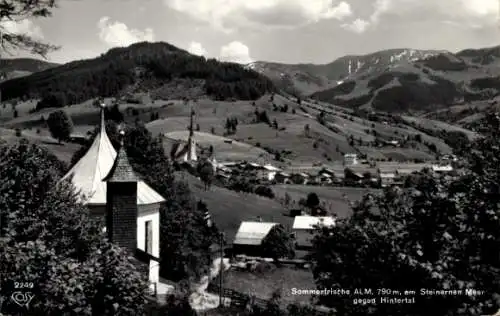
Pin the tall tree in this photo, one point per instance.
(206, 172)
(60, 125)
(49, 240)
(437, 234)
(312, 200)
(278, 243)
(13, 11)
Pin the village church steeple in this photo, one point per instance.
(190, 155)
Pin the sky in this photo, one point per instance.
(286, 31)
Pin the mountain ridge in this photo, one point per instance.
(305, 79)
(159, 68)
(394, 80)
(11, 68)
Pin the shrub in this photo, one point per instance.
(265, 191)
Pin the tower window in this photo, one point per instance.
(149, 237)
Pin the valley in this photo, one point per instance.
(277, 137)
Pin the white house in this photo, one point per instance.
(442, 168)
(268, 172)
(350, 159)
(387, 178)
(304, 226)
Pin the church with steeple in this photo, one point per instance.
(108, 185)
(187, 153)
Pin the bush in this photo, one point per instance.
(265, 191)
(53, 100)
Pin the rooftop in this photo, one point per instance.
(309, 222)
(88, 173)
(252, 233)
(121, 171)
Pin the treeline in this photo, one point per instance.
(154, 63)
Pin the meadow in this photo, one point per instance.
(251, 141)
(336, 199)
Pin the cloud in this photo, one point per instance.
(471, 13)
(228, 15)
(196, 48)
(119, 34)
(235, 52)
(481, 7)
(26, 27)
(357, 26)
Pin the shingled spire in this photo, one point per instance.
(121, 171)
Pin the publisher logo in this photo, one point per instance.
(22, 299)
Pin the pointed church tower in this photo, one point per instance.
(190, 154)
(121, 206)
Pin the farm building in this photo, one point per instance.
(299, 178)
(442, 168)
(282, 177)
(325, 178)
(113, 192)
(387, 178)
(249, 237)
(350, 159)
(78, 138)
(304, 226)
(268, 172)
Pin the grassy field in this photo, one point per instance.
(230, 208)
(211, 116)
(264, 283)
(438, 126)
(63, 152)
(333, 197)
(320, 145)
(365, 130)
(225, 149)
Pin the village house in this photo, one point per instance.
(352, 176)
(442, 168)
(304, 226)
(78, 138)
(249, 237)
(350, 159)
(282, 178)
(267, 172)
(325, 178)
(126, 205)
(387, 179)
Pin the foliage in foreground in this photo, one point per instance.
(49, 240)
(278, 243)
(440, 234)
(13, 11)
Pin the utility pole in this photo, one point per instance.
(221, 291)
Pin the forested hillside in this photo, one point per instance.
(157, 67)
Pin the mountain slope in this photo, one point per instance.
(395, 80)
(19, 67)
(427, 84)
(158, 68)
